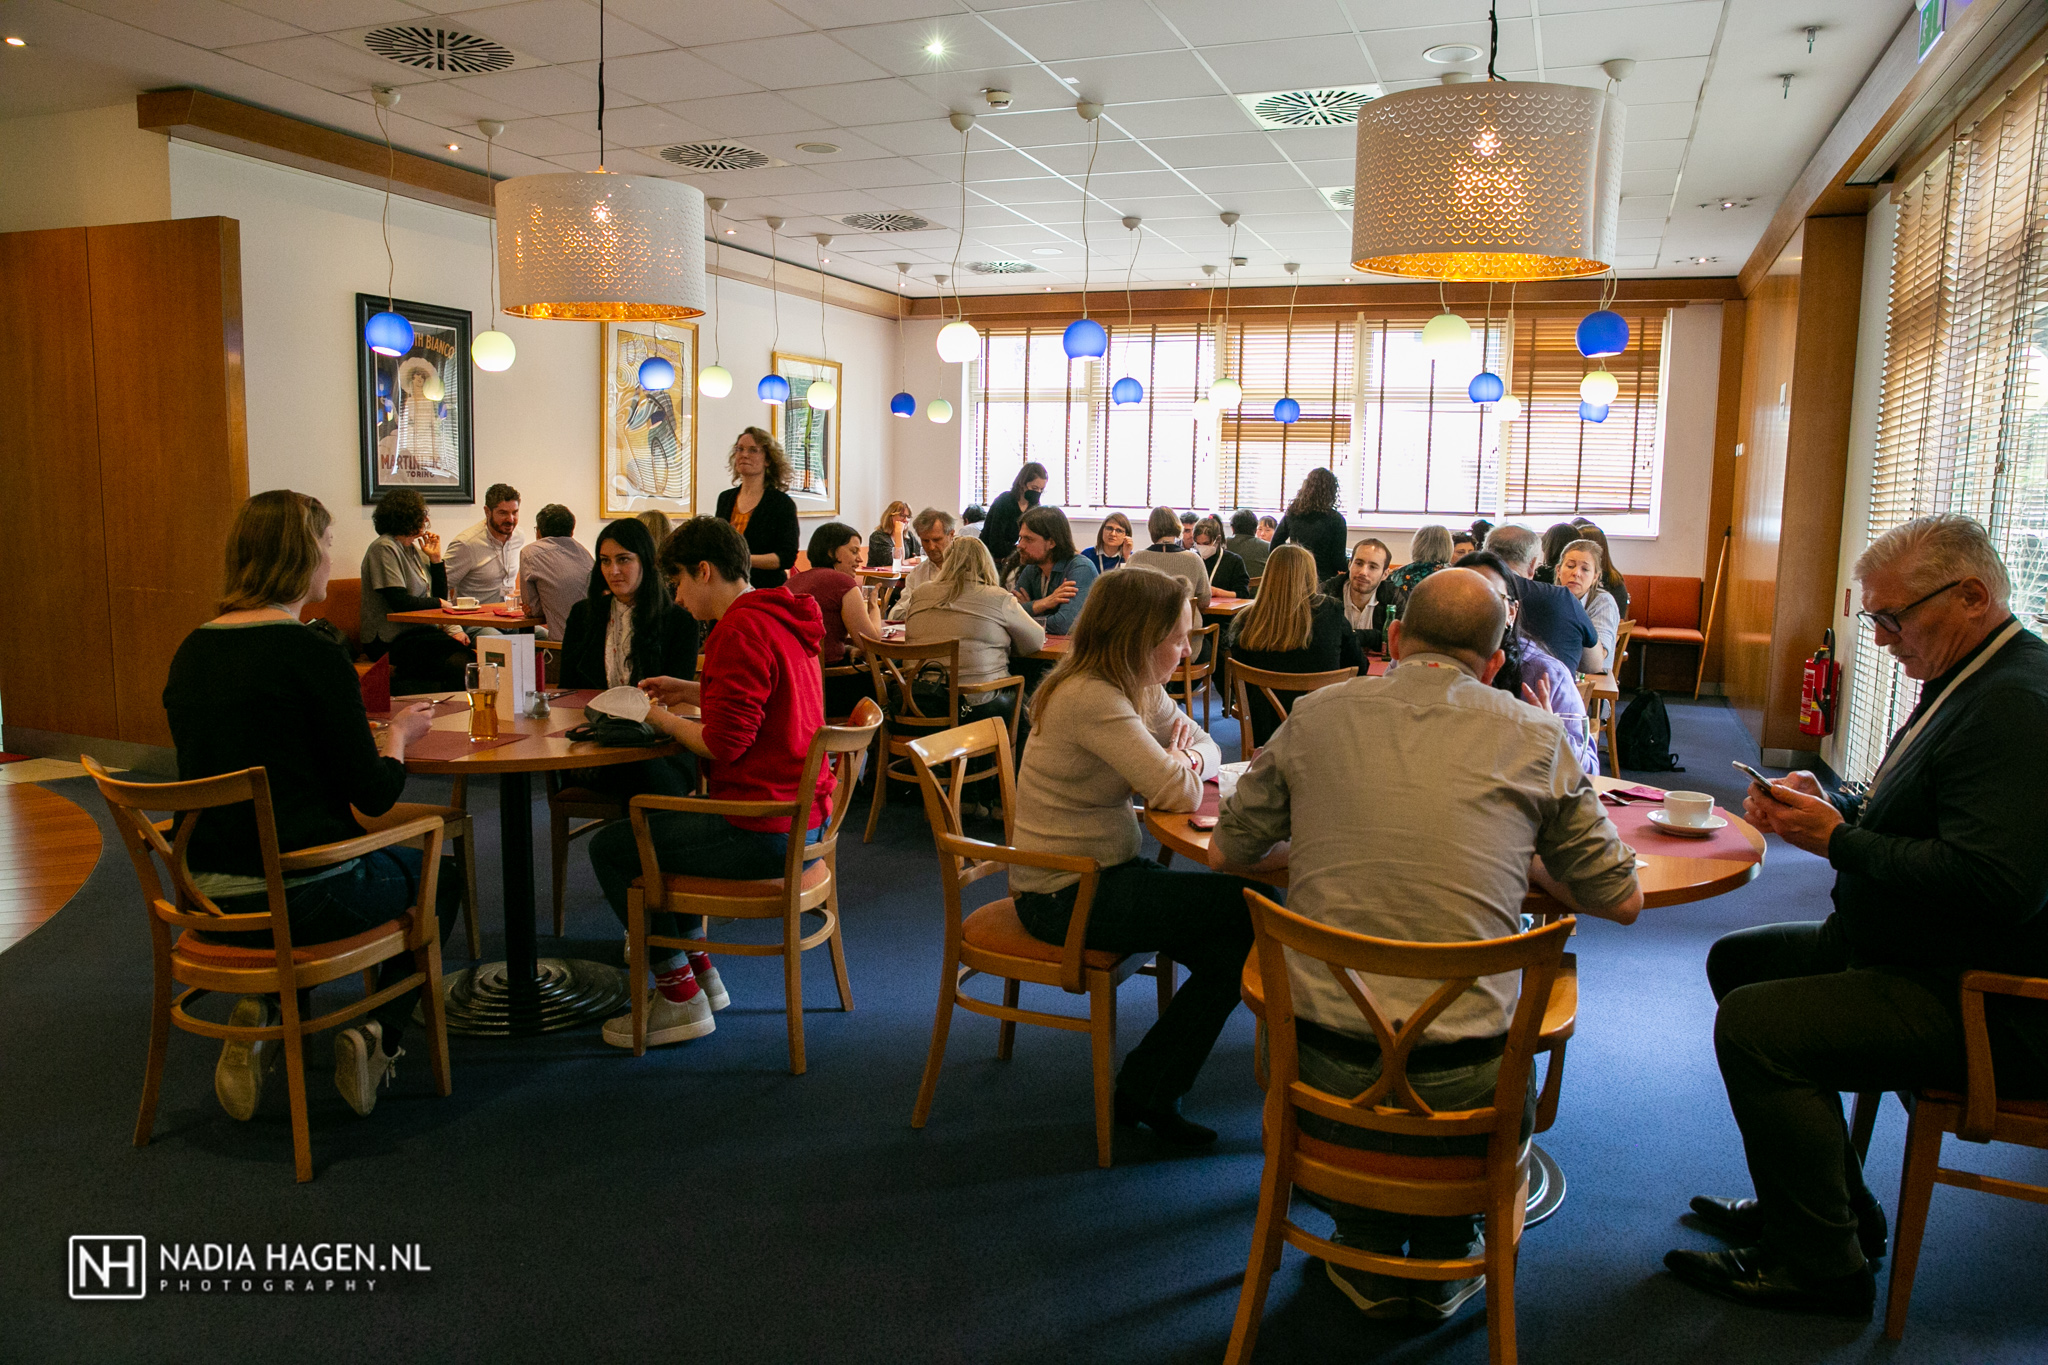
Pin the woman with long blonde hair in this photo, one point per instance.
(760, 508)
(1290, 627)
(966, 601)
(892, 538)
(1103, 730)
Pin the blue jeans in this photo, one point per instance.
(1458, 1087)
(690, 844)
(381, 886)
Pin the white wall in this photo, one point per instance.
(310, 244)
(82, 169)
(928, 462)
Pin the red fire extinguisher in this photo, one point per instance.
(1818, 684)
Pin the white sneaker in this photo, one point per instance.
(238, 1075)
(713, 989)
(361, 1065)
(667, 1021)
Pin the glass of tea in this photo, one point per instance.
(481, 682)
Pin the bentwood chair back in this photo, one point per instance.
(460, 831)
(1198, 668)
(809, 884)
(184, 922)
(1495, 1184)
(1978, 1114)
(1278, 689)
(992, 941)
(895, 668)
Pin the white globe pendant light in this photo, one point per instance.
(1599, 388)
(1508, 408)
(714, 381)
(939, 410)
(822, 395)
(493, 351)
(959, 342)
(1226, 393)
(1445, 333)
(1204, 409)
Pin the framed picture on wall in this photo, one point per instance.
(647, 438)
(413, 409)
(810, 436)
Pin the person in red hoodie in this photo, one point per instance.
(762, 699)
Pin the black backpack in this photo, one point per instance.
(1644, 736)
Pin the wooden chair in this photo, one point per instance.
(1976, 1115)
(809, 884)
(1198, 667)
(1608, 721)
(568, 804)
(1253, 585)
(550, 657)
(1495, 1184)
(458, 830)
(992, 941)
(841, 671)
(1244, 680)
(895, 668)
(182, 921)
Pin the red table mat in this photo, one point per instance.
(575, 701)
(441, 745)
(444, 708)
(1212, 799)
(1638, 833)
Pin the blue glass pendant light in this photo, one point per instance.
(1485, 387)
(1127, 390)
(903, 405)
(1286, 411)
(1589, 413)
(1603, 333)
(388, 334)
(1084, 337)
(657, 374)
(773, 388)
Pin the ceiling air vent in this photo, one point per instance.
(1330, 107)
(886, 222)
(717, 156)
(442, 50)
(1337, 196)
(1001, 267)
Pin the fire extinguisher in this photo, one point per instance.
(1818, 683)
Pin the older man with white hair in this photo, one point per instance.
(1941, 868)
(935, 531)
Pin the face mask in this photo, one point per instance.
(1205, 551)
(1031, 496)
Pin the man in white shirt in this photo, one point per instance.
(1357, 589)
(935, 531)
(483, 562)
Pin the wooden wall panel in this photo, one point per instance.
(1759, 488)
(56, 671)
(1721, 497)
(167, 324)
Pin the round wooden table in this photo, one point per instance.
(526, 994)
(476, 618)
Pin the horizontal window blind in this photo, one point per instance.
(1963, 407)
(1558, 464)
(1425, 448)
(1260, 460)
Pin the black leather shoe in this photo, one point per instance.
(1744, 1276)
(1167, 1123)
(1741, 1223)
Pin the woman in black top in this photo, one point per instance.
(626, 629)
(1006, 513)
(760, 508)
(1314, 523)
(1290, 628)
(402, 571)
(1227, 572)
(255, 688)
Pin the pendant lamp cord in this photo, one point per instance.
(1130, 311)
(824, 346)
(600, 87)
(899, 328)
(960, 237)
(775, 293)
(1486, 333)
(1229, 272)
(1087, 179)
(717, 313)
(488, 144)
(1493, 45)
(390, 170)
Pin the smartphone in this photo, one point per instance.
(1202, 822)
(1758, 778)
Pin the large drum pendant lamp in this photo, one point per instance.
(592, 246)
(1488, 180)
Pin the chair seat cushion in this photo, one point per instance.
(198, 947)
(2033, 1109)
(995, 928)
(1673, 634)
(732, 889)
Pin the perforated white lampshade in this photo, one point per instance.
(1489, 180)
(589, 247)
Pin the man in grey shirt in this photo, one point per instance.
(1420, 806)
(484, 560)
(554, 571)
(1245, 543)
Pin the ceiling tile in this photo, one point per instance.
(1663, 155)
(1398, 54)
(326, 64)
(1643, 32)
(796, 60)
(1182, 117)
(692, 23)
(200, 23)
(837, 13)
(1648, 121)
(1393, 14)
(1166, 206)
(768, 180)
(1656, 206)
(541, 89)
(645, 125)
(1289, 64)
(922, 198)
(617, 160)
(880, 101)
(1239, 179)
(1252, 203)
(1127, 80)
(919, 137)
(1217, 149)
(670, 75)
(886, 173)
(1206, 23)
(903, 48)
(557, 30)
(1329, 172)
(1016, 193)
(1672, 80)
(836, 202)
(326, 16)
(1317, 144)
(1029, 87)
(851, 147)
(1087, 28)
(1114, 189)
(449, 106)
(1042, 128)
(1111, 158)
(547, 138)
(742, 115)
(1648, 182)
(983, 164)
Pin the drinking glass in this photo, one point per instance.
(481, 682)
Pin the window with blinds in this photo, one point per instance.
(1555, 463)
(1260, 460)
(1963, 408)
(1425, 448)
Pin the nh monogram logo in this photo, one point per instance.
(107, 1267)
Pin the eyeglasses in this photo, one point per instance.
(1890, 620)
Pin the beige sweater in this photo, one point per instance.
(988, 622)
(1185, 565)
(1087, 755)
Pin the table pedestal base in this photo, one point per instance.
(1546, 1186)
(571, 991)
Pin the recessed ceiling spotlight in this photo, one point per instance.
(818, 148)
(454, 146)
(1047, 251)
(1446, 53)
(1699, 260)
(1070, 80)
(732, 232)
(16, 42)
(935, 48)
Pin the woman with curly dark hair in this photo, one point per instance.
(402, 571)
(1314, 523)
(760, 508)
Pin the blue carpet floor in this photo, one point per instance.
(701, 1203)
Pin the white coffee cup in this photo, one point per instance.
(1691, 809)
(465, 602)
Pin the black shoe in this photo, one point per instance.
(1744, 1276)
(1740, 1222)
(1166, 1122)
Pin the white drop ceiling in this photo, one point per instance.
(1709, 118)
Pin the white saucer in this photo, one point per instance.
(1665, 823)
